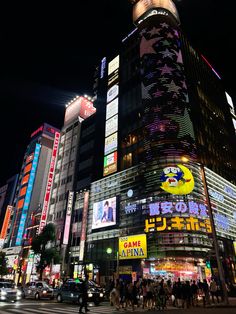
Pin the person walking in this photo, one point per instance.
(84, 291)
(213, 291)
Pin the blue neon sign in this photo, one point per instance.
(28, 195)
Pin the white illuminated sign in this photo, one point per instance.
(112, 108)
(112, 92)
(113, 65)
(111, 125)
(68, 217)
(110, 143)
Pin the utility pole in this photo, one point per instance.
(214, 237)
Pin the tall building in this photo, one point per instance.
(163, 120)
(7, 197)
(32, 190)
(62, 191)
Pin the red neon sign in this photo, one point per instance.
(37, 131)
(49, 182)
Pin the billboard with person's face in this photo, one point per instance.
(104, 213)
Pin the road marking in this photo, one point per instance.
(62, 310)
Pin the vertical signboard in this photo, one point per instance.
(5, 225)
(84, 225)
(111, 126)
(49, 182)
(68, 217)
(28, 195)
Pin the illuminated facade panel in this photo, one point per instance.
(30, 185)
(111, 124)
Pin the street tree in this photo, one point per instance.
(40, 245)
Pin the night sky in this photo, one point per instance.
(49, 53)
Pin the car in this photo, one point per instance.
(70, 291)
(9, 292)
(102, 291)
(38, 290)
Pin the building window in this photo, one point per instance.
(127, 161)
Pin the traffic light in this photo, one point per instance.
(208, 264)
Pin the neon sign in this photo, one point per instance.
(49, 182)
(37, 131)
(28, 195)
(68, 217)
(177, 224)
(191, 207)
(168, 207)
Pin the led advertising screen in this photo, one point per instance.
(104, 213)
(112, 108)
(111, 125)
(143, 6)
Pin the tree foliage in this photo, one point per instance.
(39, 246)
(3, 264)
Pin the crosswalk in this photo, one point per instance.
(60, 309)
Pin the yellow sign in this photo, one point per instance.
(133, 247)
(235, 247)
(177, 224)
(177, 180)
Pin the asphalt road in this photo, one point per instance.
(52, 307)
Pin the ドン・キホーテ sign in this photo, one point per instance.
(133, 247)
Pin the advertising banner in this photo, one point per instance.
(143, 6)
(6, 222)
(113, 65)
(49, 182)
(112, 92)
(111, 125)
(84, 226)
(133, 247)
(81, 107)
(110, 169)
(112, 108)
(110, 159)
(68, 217)
(110, 143)
(104, 213)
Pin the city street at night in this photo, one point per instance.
(118, 164)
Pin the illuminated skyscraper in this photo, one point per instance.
(165, 115)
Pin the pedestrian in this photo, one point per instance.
(213, 291)
(84, 292)
(194, 294)
(178, 293)
(144, 293)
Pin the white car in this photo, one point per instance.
(38, 290)
(9, 292)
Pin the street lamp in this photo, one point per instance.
(214, 235)
(109, 251)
